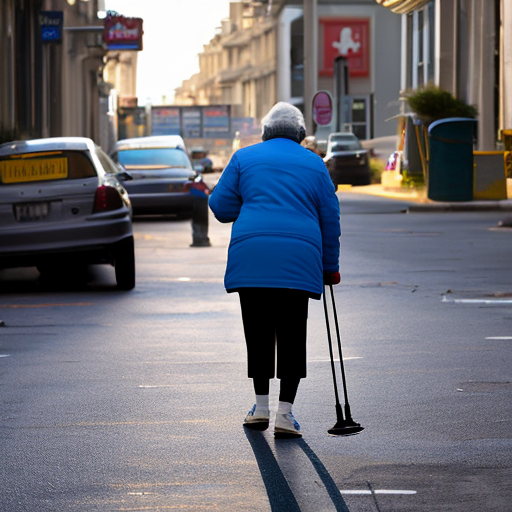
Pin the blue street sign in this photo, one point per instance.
(51, 23)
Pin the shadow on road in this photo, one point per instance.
(81, 279)
(280, 494)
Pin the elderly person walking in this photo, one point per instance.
(284, 247)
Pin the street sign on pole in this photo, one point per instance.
(51, 23)
(322, 108)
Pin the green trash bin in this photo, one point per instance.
(450, 169)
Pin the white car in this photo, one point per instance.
(63, 204)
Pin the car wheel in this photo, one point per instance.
(124, 263)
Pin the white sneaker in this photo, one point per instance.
(286, 426)
(257, 419)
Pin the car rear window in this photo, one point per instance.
(346, 146)
(45, 166)
(153, 158)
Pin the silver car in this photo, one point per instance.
(162, 172)
(62, 205)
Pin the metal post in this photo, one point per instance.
(45, 92)
(340, 92)
(310, 60)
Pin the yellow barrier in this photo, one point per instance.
(490, 175)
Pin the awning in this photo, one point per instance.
(403, 6)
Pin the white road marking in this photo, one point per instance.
(392, 491)
(364, 492)
(498, 338)
(336, 360)
(156, 386)
(5, 355)
(477, 301)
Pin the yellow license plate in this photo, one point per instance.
(24, 170)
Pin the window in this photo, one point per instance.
(153, 158)
(46, 166)
(420, 47)
(106, 162)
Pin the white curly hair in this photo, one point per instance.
(284, 120)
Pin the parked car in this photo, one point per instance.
(347, 161)
(162, 172)
(200, 160)
(62, 205)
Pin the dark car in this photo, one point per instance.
(162, 172)
(348, 163)
(63, 206)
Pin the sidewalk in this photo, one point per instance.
(420, 202)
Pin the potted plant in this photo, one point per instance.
(430, 104)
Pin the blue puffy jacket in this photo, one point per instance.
(286, 218)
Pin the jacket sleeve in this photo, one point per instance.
(329, 214)
(225, 200)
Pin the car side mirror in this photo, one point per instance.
(124, 176)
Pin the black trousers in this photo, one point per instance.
(275, 318)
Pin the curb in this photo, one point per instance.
(421, 204)
(478, 206)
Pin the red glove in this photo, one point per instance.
(333, 278)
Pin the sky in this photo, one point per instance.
(174, 33)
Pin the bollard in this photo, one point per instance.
(200, 192)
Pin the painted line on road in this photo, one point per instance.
(335, 360)
(147, 386)
(5, 355)
(498, 338)
(49, 305)
(477, 301)
(368, 492)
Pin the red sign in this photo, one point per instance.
(322, 108)
(122, 33)
(349, 38)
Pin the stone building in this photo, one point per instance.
(238, 66)
(257, 58)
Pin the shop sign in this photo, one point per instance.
(191, 127)
(51, 26)
(216, 121)
(122, 33)
(349, 38)
(165, 121)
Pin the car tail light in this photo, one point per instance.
(107, 199)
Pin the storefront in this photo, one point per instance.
(463, 47)
(364, 33)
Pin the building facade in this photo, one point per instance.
(364, 33)
(237, 67)
(464, 47)
(258, 58)
(51, 87)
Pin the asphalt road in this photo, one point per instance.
(118, 401)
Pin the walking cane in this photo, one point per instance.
(345, 426)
